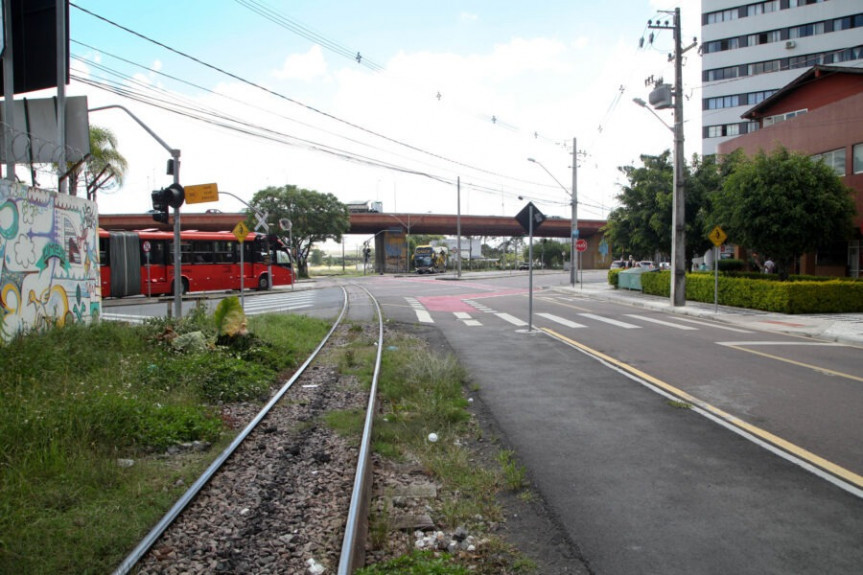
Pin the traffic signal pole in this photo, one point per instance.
(175, 170)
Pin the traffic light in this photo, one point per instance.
(173, 196)
(160, 206)
(367, 254)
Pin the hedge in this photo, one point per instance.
(799, 296)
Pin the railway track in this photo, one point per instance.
(289, 494)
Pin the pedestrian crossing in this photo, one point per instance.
(271, 303)
(485, 315)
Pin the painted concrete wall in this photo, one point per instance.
(49, 260)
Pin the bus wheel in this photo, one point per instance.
(264, 283)
(184, 283)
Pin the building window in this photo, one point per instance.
(770, 120)
(858, 158)
(723, 16)
(835, 159)
(764, 67)
(763, 38)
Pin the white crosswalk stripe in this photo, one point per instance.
(610, 321)
(511, 319)
(661, 322)
(423, 316)
(124, 317)
(466, 318)
(561, 320)
(281, 302)
(479, 306)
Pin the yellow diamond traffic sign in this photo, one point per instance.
(717, 236)
(241, 230)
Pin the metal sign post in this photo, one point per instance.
(530, 218)
(718, 237)
(146, 248)
(241, 231)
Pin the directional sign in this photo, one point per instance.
(717, 236)
(524, 215)
(581, 245)
(202, 193)
(241, 230)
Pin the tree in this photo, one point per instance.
(104, 167)
(642, 224)
(783, 205)
(315, 217)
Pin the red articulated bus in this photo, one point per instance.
(142, 262)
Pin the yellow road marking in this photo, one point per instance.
(797, 451)
(794, 362)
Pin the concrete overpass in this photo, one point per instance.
(373, 223)
(390, 230)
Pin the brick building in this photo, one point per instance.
(820, 113)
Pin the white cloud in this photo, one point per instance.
(307, 67)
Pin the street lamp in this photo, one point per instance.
(644, 105)
(678, 257)
(573, 257)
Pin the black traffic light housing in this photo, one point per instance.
(173, 196)
(160, 206)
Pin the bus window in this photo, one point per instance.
(282, 258)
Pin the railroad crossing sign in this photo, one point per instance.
(262, 221)
(581, 245)
(717, 236)
(201, 193)
(241, 231)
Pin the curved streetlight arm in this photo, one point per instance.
(573, 255)
(565, 189)
(644, 105)
(175, 155)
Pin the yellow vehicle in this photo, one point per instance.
(430, 259)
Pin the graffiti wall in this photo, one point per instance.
(49, 259)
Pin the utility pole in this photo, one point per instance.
(678, 232)
(573, 253)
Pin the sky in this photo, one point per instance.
(382, 100)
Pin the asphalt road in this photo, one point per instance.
(643, 484)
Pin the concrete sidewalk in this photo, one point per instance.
(843, 328)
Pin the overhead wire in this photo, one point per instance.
(257, 6)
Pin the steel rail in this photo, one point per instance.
(132, 559)
(353, 545)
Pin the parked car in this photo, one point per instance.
(664, 265)
(617, 264)
(646, 264)
(524, 266)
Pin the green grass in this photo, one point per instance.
(423, 392)
(77, 400)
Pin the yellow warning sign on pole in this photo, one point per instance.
(241, 230)
(717, 236)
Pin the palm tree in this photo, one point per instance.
(103, 168)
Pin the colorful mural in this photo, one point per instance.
(49, 260)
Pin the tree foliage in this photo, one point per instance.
(315, 217)
(103, 169)
(783, 205)
(641, 226)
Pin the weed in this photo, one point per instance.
(514, 474)
(679, 404)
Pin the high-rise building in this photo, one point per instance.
(752, 49)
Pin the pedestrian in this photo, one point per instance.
(769, 266)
